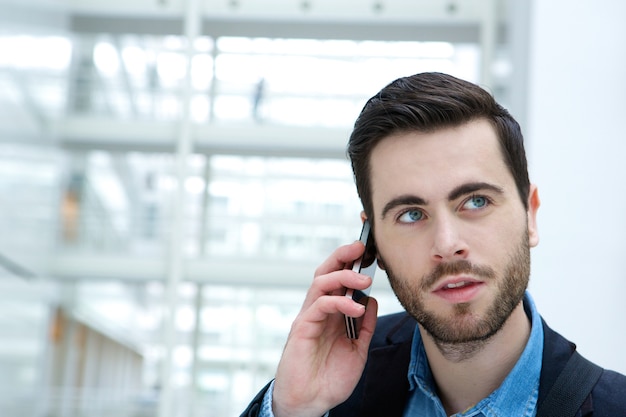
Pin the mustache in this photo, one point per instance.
(457, 268)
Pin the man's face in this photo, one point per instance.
(450, 229)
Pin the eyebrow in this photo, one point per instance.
(403, 200)
(461, 190)
(472, 187)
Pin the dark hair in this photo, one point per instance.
(427, 102)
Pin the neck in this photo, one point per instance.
(466, 373)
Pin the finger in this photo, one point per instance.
(318, 318)
(367, 327)
(329, 276)
(335, 283)
(370, 318)
(342, 256)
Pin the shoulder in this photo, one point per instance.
(609, 395)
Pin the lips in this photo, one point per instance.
(458, 289)
(457, 282)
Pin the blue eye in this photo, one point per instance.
(476, 202)
(411, 216)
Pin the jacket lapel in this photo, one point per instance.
(384, 387)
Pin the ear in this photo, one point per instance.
(533, 206)
(379, 260)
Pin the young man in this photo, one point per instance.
(441, 171)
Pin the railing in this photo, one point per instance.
(73, 402)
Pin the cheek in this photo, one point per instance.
(407, 257)
(497, 247)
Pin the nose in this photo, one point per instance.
(448, 243)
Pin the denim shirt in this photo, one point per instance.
(516, 396)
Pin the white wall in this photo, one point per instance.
(576, 130)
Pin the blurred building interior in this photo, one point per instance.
(172, 172)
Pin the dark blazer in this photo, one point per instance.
(384, 387)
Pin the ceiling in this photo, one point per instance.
(43, 101)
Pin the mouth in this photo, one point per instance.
(459, 290)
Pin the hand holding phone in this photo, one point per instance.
(366, 265)
(317, 350)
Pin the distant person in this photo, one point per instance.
(257, 101)
(71, 209)
(441, 171)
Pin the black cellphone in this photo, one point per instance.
(366, 265)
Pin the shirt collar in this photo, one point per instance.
(517, 393)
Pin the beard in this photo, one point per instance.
(463, 326)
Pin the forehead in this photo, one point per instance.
(436, 162)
